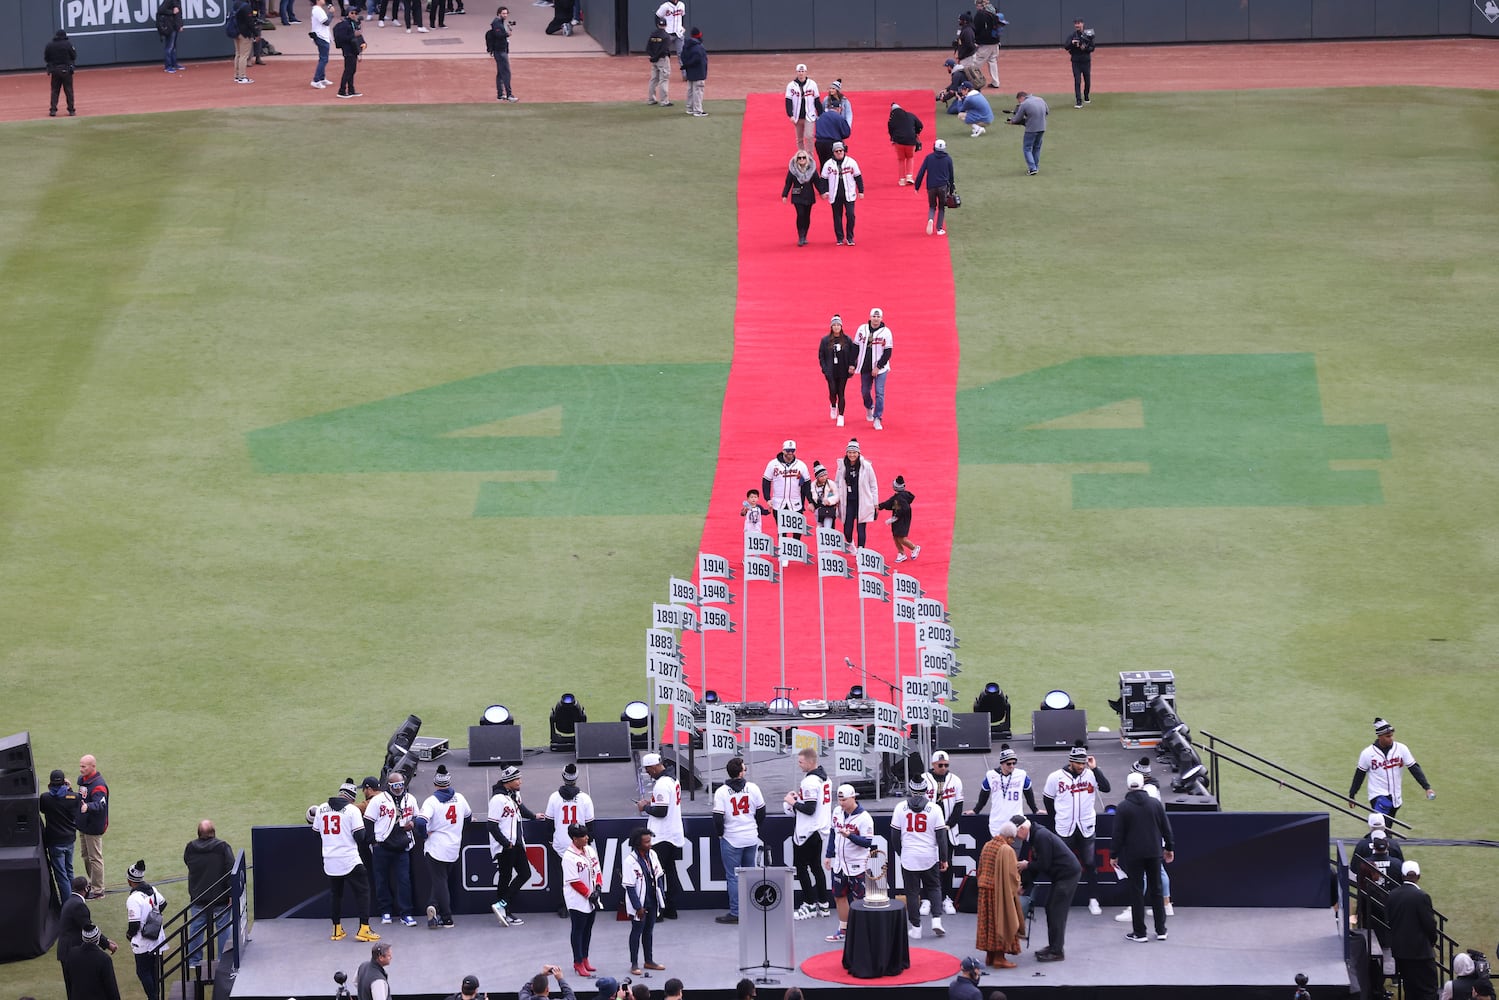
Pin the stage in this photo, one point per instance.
(1240, 953)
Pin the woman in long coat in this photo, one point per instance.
(1001, 920)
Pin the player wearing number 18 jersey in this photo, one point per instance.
(442, 817)
(1008, 784)
(738, 815)
(340, 827)
(918, 833)
(663, 808)
(812, 805)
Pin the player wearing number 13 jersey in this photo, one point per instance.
(443, 816)
(738, 816)
(663, 809)
(340, 827)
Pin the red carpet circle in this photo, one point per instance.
(926, 966)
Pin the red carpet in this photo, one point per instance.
(775, 391)
(926, 966)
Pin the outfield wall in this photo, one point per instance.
(123, 31)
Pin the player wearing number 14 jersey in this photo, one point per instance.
(340, 827)
(738, 816)
(442, 817)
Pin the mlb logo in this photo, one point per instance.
(537, 856)
(481, 875)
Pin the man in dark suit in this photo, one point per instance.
(1413, 935)
(74, 919)
(88, 969)
(1049, 857)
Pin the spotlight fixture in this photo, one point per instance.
(497, 715)
(1056, 701)
(637, 714)
(855, 693)
(566, 715)
(399, 744)
(710, 697)
(997, 705)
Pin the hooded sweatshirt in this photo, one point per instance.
(209, 863)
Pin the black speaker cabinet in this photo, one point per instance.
(18, 783)
(15, 753)
(1059, 729)
(969, 733)
(20, 822)
(491, 746)
(599, 742)
(27, 924)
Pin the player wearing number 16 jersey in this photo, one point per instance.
(918, 833)
(442, 817)
(340, 827)
(738, 816)
(812, 804)
(663, 808)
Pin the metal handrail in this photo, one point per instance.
(175, 956)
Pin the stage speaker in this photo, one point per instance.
(20, 822)
(600, 742)
(1059, 729)
(489, 746)
(27, 924)
(15, 753)
(969, 733)
(19, 783)
(676, 758)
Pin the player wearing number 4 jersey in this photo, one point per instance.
(442, 817)
(340, 827)
(738, 816)
(812, 805)
(663, 808)
(919, 835)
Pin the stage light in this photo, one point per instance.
(855, 693)
(781, 706)
(1056, 701)
(399, 743)
(497, 715)
(638, 715)
(994, 702)
(1193, 781)
(710, 697)
(1166, 718)
(563, 725)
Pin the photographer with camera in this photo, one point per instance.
(497, 44)
(539, 985)
(1079, 46)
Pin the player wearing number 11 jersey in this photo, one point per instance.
(738, 816)
(568, 805)
(340, 827)
(442, 817)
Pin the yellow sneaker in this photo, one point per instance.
(338, 933)
(365, 934)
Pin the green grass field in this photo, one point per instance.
(209, 583)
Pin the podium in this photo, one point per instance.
(766, 943)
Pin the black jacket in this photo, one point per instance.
(835, 356)
(694, 60)
(1413, 925)
(209, 863)
(347, 38)
(1080, 45)
(91, 974)
(658, 46)
(963, 44)
(899, 504)
(168, 22)
(497, 39)
(985, 27)
(74, 918)
(1050, 856)
(903, 126)
(245, 19)
(964, 988)
(1140, 825)
(800, 193)
(61, 815)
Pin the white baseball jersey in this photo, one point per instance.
(336, 827)
(564, 813)
(445, 825)
(1006, 796)
(880, 341)
(786, 483)
(580, 870)
(666, 792)
(815, 787)
(504, 810)
(389, 813)
(848, 857)
(803, 98)
(1386, 769)
(836, 172)
(738, 809)
(644, 875)
(1076, 797)
(673, 13)
(137, 905)
(948, 795)
(918, 834)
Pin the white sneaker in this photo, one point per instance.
(840, 420)
(805, 912)
(937, 927)
(408, 31)
(869, 413)
(930, 225)
(1125, 916)
(832, 413)
(947, 906)
(978, 130)
(385, 918)
(916, 933)
(914, 553)
(381, 24)
(423, 30)
(499, 911)
(942, 232)
(824, 909)
(926, 907)
(877, 425)
(1094, 908)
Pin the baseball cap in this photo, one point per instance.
(971, 964)
(1411, 868)
(847, 792)
(940, 755)
(876, 311)
(940, 144)
(788, 445)
(950, 63)
(1378, 835)
(608, 985)
(370, 782)
(801, 67)
(650, 760)
(470, 984)
(965, 85)
(1135, 780)
(57, 778)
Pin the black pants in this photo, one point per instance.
(824, 149)
(146, 971)
(803, 219)
(514, 873)
(1082, 79)
(346, 82)
(360, 883)
(62, 82)
(437, 11)
(1082, 846)
(837, 391)
(925, 884)
(582, 932)
(447, 881)
(502, 75)
(807, 857)
(562, 13)
(1418, 978)
(1145, 886)
(669, 855)
(1058, 903)
(936, 202)
(843, 210)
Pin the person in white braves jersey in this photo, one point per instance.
(507, 844)
(442, 817)
(568, 805)
(876, 346)
(811, 802)
(824, 495)
(1008, 783)
(738, 817)
(848, 852)
(663, 809)
(1384, 761)
(143, 899)
(946, 789)
(1071, 796)
(391, 819)
(340, 828)
(674, 13)
(644, 884)
(582, 882)
(803, 105)
(786, 482)
(844, 185)
(918, 833)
